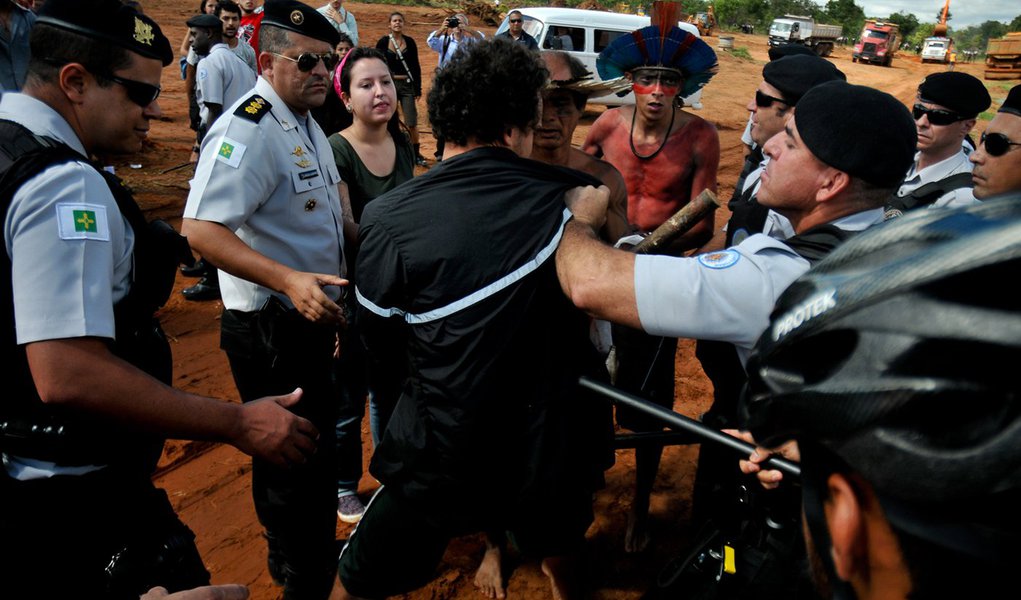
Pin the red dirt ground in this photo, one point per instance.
(210, 484)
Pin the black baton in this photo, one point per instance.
(678, 421)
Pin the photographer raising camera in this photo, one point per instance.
(453, 33)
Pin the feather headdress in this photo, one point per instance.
(661, 45)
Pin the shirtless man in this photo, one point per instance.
(562, 107)
(667, 157)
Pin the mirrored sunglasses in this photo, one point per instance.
(765, 101)
(997, 144)
(308, 60)
(937, 116)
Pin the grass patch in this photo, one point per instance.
(741, 52)
(986, 116)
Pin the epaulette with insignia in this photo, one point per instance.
(254, 108)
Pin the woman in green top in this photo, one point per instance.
(373, 156)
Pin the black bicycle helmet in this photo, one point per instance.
(900, 354)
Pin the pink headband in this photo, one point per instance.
(336, 73)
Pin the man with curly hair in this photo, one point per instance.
(491, 429)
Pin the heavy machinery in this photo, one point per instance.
(879, 42)
(939, 46)
(797, 29)
(705, 21)
(1003, 57)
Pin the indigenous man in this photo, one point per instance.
(667, 157)
(945, 110)
(998, 158)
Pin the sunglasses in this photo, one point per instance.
(142, 94)
(515, 20)
(997, 144)
(308, 60)
(765, 101)
(936, 116)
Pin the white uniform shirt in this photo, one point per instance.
(243, 50)
(958, 163)
(221, 78)
(275, 186)
(70, 250)
(727, 295)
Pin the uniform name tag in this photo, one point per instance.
(230, 152)
(306, 180)
(82, 222)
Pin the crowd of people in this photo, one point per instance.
(849, 322)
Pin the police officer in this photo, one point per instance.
(86, 401)
(997, 160)
(264, 208)
(902, 397)
(821, 176)
(945, 110)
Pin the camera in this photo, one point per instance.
(453, 23)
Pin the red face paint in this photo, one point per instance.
(668, 90)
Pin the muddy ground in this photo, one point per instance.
(210, 484)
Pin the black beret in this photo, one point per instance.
(204, 21)
(861, 131)
(300, 18)
(795, 75)
(1012, 104)
(776, 52)
(109, 21)
(959, 92)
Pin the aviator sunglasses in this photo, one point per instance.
(515, 20)
(308, 60)
(936, 116)
(997, 144)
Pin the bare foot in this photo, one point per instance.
(489, 577)
(562, 573)
(637, 537)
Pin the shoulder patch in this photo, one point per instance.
(230, 152)
(719, 260)
(254, 108)
(79, 221)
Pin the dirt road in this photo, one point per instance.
(209, 484)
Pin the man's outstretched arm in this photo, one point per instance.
(597, 278)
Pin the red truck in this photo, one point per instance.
(879, 42)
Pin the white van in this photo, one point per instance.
(585, 33)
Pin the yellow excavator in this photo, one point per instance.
(939, 46)
(705, 21)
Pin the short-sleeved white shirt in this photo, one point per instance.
(221, 78)
(726, 295)
(70, 248)
(270, 179)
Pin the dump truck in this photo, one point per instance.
(878, 43)
(1003, 57)
(937, 49)
(798, 29)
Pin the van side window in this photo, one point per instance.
(604, 38)
(569, 39)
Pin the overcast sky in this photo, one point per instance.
(963, 12)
